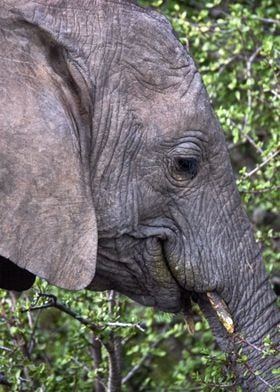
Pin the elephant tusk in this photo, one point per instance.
(222, 311)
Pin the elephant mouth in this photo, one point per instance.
(215, 311)
(211, 303)
(215, 304)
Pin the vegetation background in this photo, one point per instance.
(74, 341)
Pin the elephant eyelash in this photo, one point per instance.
(187, 166)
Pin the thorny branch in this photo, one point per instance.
(53, 303)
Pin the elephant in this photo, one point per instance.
(115, 174)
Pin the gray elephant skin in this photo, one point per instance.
(114, 172)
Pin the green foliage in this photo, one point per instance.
(236, 48)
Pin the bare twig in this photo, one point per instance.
(257, 168)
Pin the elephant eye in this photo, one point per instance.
(187, 166)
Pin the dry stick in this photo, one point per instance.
(257, 168)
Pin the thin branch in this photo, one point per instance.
(249, 99)
(126, 325)
(97, 360)
(274, 92)
(266, 20)
(258, 376)
(6, 349)
(257, 168)
(264, 190)
(251, 141)
(114, 349)
(229, 61)
(239, 339)
(246, 136)
(53, 303)
(144, 359)
(224, 386)
(82, 365)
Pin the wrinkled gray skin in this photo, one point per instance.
(126, 103)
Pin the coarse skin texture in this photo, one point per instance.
(106, 131)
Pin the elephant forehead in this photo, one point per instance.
(164, 88)
(151, 51)
(174, 112)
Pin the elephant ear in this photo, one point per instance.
(47, 218)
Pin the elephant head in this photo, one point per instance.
(107, 131)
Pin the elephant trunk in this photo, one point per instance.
(255, 317)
